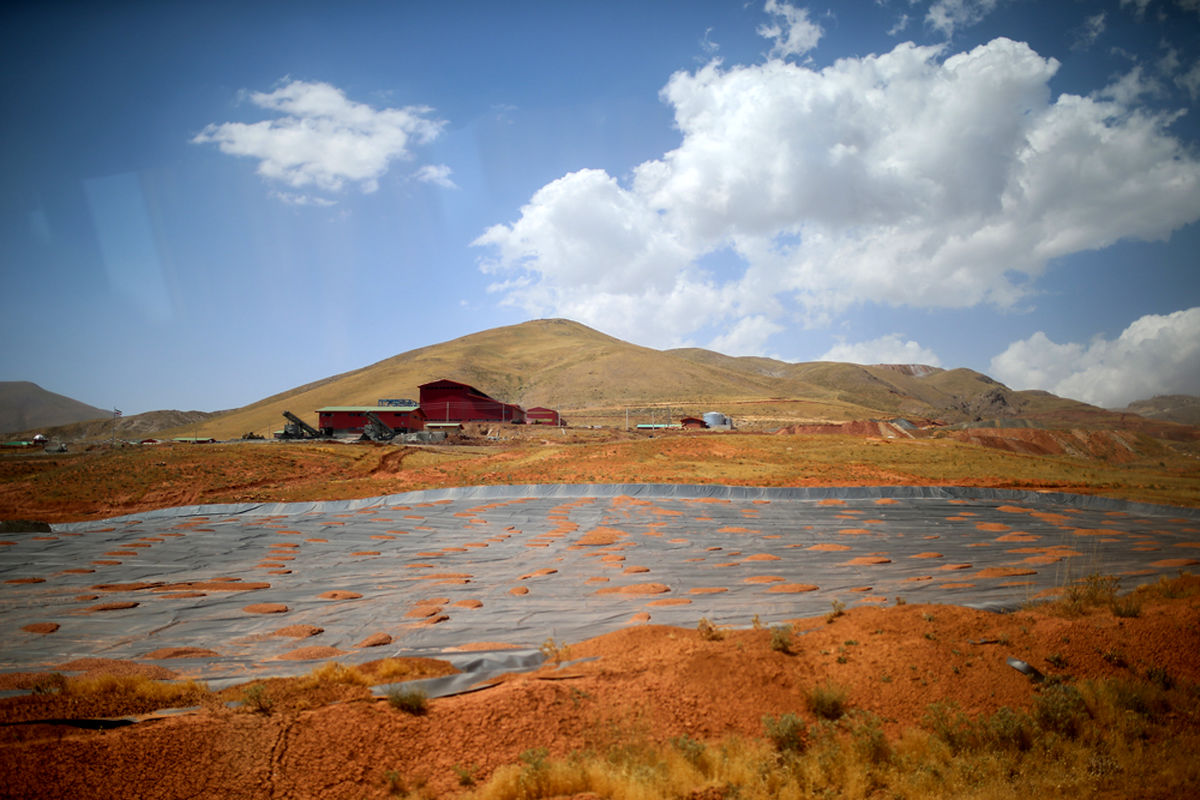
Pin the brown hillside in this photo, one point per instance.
(26, 406)
(597, 379)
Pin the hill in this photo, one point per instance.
(1181, 408)
(594, 378)
(25, 406)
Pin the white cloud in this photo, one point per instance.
(946, 15)
(900, 24)
(1157, 354)
(906, 178)
(437, 174)
(322, 139)
(747, 337)
(1090, 31)
(889, 349)
(794, 34)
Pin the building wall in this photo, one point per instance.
(447, 401)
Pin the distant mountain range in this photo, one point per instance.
(593, 378)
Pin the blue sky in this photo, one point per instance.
(208, 203)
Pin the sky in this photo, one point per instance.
(205, 204)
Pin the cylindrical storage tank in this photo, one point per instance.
(715, 419)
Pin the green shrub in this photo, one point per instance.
(255, 698)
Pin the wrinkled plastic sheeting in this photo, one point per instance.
(440, 569)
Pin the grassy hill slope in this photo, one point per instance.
(595, 378)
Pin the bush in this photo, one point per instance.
(411, 701)
(255, 698)
(787, 732)
(828, 701)
(1060, 708)
(709, 632)
(781, 639)
(1127, 607)
(839, 608)
(557, 652)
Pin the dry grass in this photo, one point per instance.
(1116, 737)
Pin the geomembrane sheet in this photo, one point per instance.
(439, 570)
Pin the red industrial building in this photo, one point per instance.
(339, 420)
(543, 416)
(451, 401)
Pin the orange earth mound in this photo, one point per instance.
(645, 682)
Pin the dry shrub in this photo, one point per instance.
(331, 673)
(828, 701)
(137, 689)
(709, 632)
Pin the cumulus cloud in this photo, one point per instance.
(1157, 354)
(946, 15)
(910, 178)
(793, 33)
(322, 139)
(890, 349)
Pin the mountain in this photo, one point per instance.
(25, 406)
(131, 428)
(1181, 408)
(593, 378)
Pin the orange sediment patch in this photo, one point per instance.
(831, 501)
(764, 579)
(707, 590)
(518, 591)
(1096, 532)
(590, 581)
(829, 548)
(853, 531)
(927, 555)
(265, 608)
(670, 601)
(311, 654)
(992, 527)
(956, 586)
(762, 557)
(1018, 536)
(1003, 572)
(164, 653)
(26, 580)
(634, 570)
(299, 631)
(1014, 509)
(600, 536)
(40, 627)
(339, 594)
(886, 501)
(639, 618)
(375, 640)
(866, 561)
(469, 603)
(120, 606)
(951, 567)
(539, 573)
(792, 588)
(636, 589)
(1175, 562)
(735, 529)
